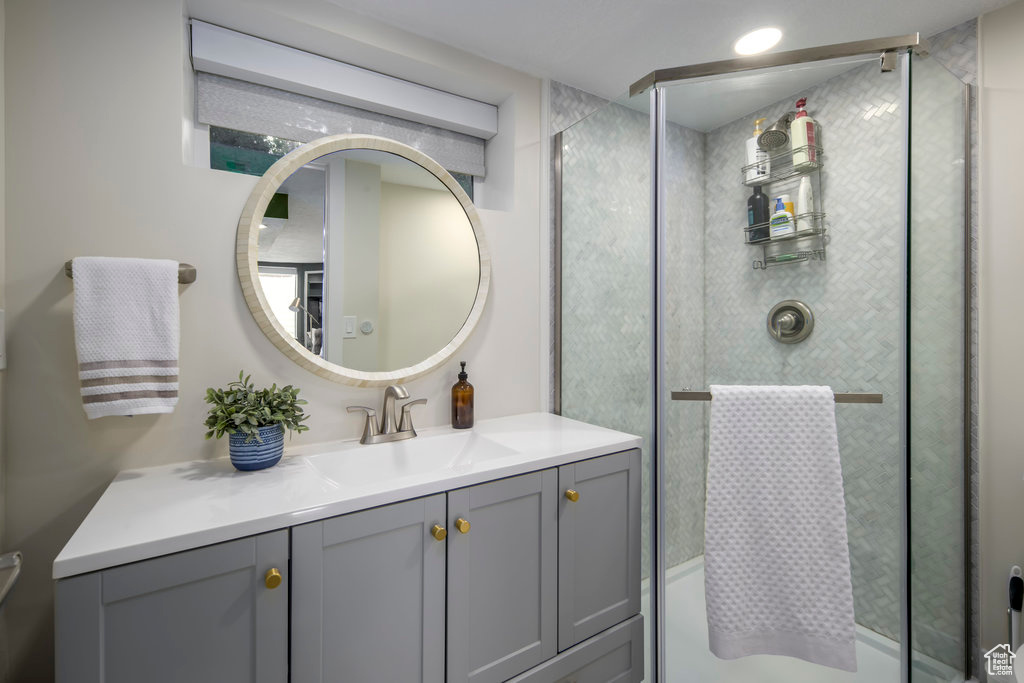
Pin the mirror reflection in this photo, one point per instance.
(368, 260)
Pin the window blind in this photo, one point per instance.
(240, 105)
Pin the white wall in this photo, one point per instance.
(359, 270)
(1001, 313)
(429, 272)
(94, 140)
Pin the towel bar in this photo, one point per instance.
(186, 272)
(840, 397)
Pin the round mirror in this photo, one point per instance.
(362, 260)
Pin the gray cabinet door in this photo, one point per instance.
(598, 545)
(368, 596)
(502, 577)
(205, 615)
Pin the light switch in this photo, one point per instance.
(349, 323)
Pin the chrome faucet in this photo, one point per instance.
(388, 424)
(389, 429)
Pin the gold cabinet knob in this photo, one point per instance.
(272, 578)
(572, 494)
(439, 532)
(462, 525)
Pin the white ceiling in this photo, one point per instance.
(602, 46)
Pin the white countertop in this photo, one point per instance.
(155, 511)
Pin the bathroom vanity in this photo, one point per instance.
(508, 552)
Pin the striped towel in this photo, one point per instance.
(126, 335)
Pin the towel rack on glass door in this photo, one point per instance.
(844, 397)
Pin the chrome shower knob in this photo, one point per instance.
(790, 321)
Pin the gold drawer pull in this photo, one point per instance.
(272, 578)
(462, 525)
(439, 532)
(572, 494)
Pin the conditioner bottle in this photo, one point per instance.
(758, 165)
(462, 401)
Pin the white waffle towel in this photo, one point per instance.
(126, 335)
(777, 562)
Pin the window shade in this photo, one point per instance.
(230, 103)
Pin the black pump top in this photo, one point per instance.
(462, 375)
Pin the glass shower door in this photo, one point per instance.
(603, 267)
(937, 318)
(721, 280)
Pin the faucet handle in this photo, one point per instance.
(406, 423)
(370, 428)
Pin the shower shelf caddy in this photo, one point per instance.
(808, 242)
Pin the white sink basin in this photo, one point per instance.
(442, 453)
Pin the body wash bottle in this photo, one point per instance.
(758, 164)
(462, 401)
(781, 224)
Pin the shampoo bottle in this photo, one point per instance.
(803, 137)
(758, 164)
(462, 401)
(757, 214)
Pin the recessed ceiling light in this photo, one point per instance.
(757, 41)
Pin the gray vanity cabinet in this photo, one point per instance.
(368, 596)
(533, 578)
(217, 614)
(598, 545)
(502, 575)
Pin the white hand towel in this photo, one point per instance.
(777, 563)
(126, 335)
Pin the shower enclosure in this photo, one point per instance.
(663, 288)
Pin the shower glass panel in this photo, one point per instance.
(719, 289)
(605, 282)
(936, 368)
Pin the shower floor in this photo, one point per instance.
(690, 661)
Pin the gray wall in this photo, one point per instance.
(1001, 99)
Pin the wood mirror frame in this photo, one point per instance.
(248, 267)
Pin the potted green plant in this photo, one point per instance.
(254, 420)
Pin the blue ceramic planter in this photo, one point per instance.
(255, 455)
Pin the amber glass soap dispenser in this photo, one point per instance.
(462, 401)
